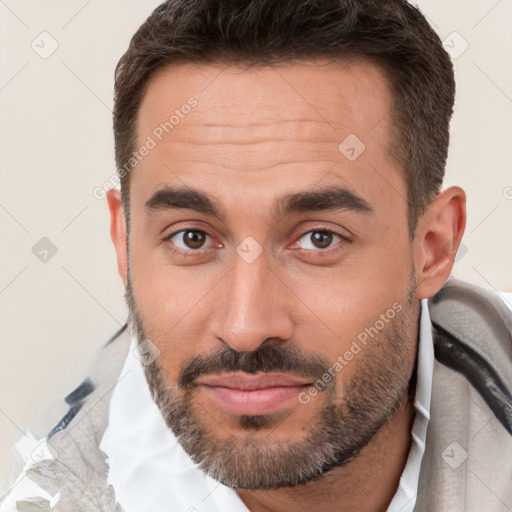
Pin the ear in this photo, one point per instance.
(118, 231)
(437, 239)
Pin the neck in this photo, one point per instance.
(367, 484)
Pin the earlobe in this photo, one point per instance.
(118, 231)
(438, 238)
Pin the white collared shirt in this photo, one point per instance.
(150, 471)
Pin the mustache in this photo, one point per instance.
(266, 359)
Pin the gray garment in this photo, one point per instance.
(467, 464)
(79, 469)
(474, 337)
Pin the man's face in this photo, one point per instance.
(256, 308)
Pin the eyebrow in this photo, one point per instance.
(329, 198)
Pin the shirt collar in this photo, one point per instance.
(405, 496)
(148, 466)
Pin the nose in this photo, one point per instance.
(252, 307)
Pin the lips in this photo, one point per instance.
(242, 393)
(246, 381)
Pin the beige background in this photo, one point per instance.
(57, 146)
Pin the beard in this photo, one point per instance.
(345, 423)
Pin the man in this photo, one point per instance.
(286, 249)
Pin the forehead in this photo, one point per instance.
(281, 125)
(335, 95)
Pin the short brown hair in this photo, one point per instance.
(392, 33)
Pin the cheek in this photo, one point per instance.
(165, 292)
(357, 300)
(169, 306)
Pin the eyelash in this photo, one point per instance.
(194, 253)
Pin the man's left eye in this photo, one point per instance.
(319, 239)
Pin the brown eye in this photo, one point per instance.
(321, 240)
(194, 239)
(318, 239)
(188, 239)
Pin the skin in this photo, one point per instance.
(255, 135)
